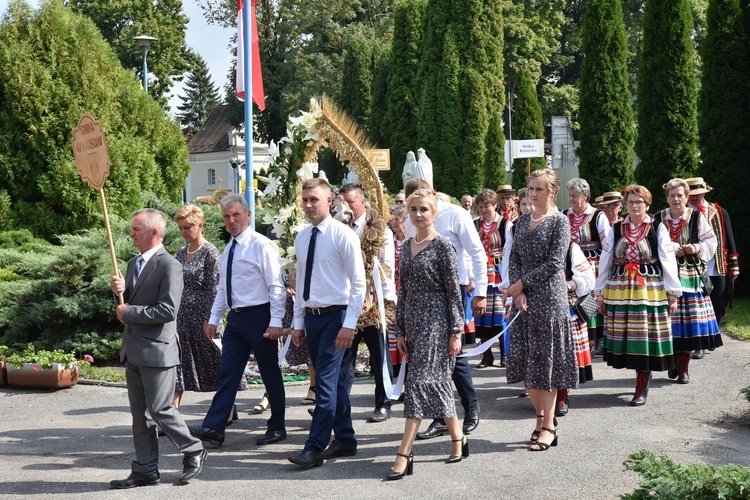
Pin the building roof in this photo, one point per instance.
(213, 135)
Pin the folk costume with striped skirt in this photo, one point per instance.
(694, 324)
(493, 239)
(637, 271)
(579, 274)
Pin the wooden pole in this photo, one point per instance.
(528, 167)
(109, 239)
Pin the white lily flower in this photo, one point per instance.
(322, 175)
(273, 184)
(279, 229)
(284, 214)
(312, 134)
(298, 227)
(268, 219)
(273, 151)
(307, 170)
(291, 252)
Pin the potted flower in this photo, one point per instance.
(44, 369)
(3, 372)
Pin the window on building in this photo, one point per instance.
(211, 176)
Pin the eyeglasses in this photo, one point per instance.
(636, 203)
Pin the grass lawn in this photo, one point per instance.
(737, 319)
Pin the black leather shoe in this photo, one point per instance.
(697, 354)
(311, 411)
(271, 437)
(307, 459)
(210, 435)
(380, 415)
(434, 430)
(136, 479)
(471, 421)
(192, 465)
(337, 449)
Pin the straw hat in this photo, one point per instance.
(698, 186)
(597, 201)
(505, 190)
(611, 197)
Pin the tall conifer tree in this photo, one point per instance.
(667, 141)
(201, 96)
(605, 114)
(528, 124)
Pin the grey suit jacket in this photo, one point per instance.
(150, 336)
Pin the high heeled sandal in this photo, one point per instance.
(262, 405)
(233, 416)
(464, 451)
(535, 433)
(544, 446)
(309, 400)
(408, 470)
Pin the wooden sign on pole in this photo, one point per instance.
(92, 161)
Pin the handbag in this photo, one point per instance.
(708, 285)
(586, 307)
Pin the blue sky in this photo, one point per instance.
(211, 42)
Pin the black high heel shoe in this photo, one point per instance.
(544, 446)
(535, 433)
(464, 451)
(408, 470)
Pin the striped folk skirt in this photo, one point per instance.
(694, 324)
(492, 321)
(581, 343)
(637, 330)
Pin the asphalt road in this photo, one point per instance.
(72, 442)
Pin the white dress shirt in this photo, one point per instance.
(584, 276)
(707, 241)
(338, 274)
(256, 277)
(149, 253)
(454, 223)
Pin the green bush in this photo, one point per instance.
(667, 480)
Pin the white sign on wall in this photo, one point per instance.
(528, 148)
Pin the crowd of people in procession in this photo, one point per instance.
(555, 289)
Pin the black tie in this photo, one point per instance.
(229, 273)
(138, 268)
(309, 263)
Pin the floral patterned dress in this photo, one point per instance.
(429, 311)
(199, 370)
(542, 349)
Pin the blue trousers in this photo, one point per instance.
(333, 411)
(243, 335)
(462, 378)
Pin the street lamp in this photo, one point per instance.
(144, 41)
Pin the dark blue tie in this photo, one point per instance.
(229, 273)
(309, 263)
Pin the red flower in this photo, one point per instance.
(36, 368)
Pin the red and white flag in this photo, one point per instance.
(258, 93)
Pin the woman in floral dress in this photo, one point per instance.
(542, 351)
(199, 370)
(429, 321)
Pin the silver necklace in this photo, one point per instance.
(425, 239)
(191, 253)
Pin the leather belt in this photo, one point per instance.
(319, 311)
(248, 308)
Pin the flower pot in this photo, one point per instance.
(30, 375)
(3, 374)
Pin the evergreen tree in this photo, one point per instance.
(476, 28)
(667, 142)
(605, 114)
(527, 124)
(494, 170)
(55, 66)
(724, 111)
(378, 124)
(403, 90)
(356, 80)
(201, 96)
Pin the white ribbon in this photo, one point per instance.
(400, 382)
(484, 346)
(378, 284)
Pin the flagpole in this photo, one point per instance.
(248, 76)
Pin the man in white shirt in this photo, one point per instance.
(251, 288)
(330, 294)
(376, 342)
(454, 223)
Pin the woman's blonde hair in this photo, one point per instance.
(675, 183)
(424, 193)
(553, 181)
(192, 214)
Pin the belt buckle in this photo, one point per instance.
(315, 311)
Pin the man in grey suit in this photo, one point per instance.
(152, 288)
